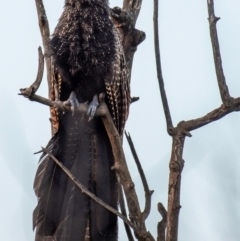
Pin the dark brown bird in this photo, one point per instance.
(87, 60)
(88, 55)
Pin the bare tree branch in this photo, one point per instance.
(58, 104)
(34, 87)
(120, 166)
(148, 192)
(184, 127)
(124, 212)
(61, 106)
(88, 193)
(212, 116)
(45, 33)
(134, 7)
(163, 223)
(176, 167)
(125, 19)
(159, 71)
(134, 99)
(225, 96)
(176, 162)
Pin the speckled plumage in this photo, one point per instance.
(88, 54)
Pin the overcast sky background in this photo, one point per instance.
(210, 195)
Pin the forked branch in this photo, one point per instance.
(121, 169)
(148, 192)
(184, 127)
(28, 92)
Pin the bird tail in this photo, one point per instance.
(63, 212)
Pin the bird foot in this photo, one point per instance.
(92, 107)
(72, 101)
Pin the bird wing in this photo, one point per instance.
(43, 181)
(118, 88)
(55, 91)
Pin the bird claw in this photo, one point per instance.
(92, 107)
(72, 101)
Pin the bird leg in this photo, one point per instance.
(93, 107)
(72, 101)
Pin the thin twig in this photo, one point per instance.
(124, 212)
(134, 99)
(163, 223)
(82, 108)
(224, 92)
(148, 192)
(88, 193)
(159, 71)
(45, 33)
(34, 87)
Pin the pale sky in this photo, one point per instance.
(210, 195)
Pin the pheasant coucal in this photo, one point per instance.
(87, 59)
